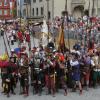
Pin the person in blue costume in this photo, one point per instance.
(76, 73)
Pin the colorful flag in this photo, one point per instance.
(61, 45)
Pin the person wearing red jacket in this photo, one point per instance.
(27, 36)
(20, 36)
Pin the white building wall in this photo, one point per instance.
(69, 6)
(36, 5)
(57, 6)
(96, 7)
(18, 7)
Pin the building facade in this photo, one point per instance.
(7, 9)
(49, 9)
(79, 7)
(23, 8)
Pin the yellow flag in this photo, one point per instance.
(61, 45)
(4, 57)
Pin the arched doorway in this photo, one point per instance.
(78, 11)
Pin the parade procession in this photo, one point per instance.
(43, 58)
(50, 65)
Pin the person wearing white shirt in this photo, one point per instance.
(76, 73)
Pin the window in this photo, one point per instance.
(28, 1)
(94, 11)
(34, 1)
(18, 12)
(5, 12)
(33, 11)
(42, 10)
(49, 15)
(25, 1)
(40, 0)
(37, 11)
(98, 11)
(24, 12)
(0, 12)
(19, 2)
(5, 2)
(11, 12)
(0, 3)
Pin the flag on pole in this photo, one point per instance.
(45, 34)
(61, 45)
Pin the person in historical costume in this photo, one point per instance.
(22, 81)
(46, 74)
(34, 82)
(20, 36)
(12, 38)
(8, 85)
(27, 36)
(26, 86)
(14, 56)
(10, 82)
(40, 80)
(2, 32)
(76, 73)
(14, 34)
(13, 83)
(57, 82)
(3, 77)
(36, 73)
(69, 71)
(23, 72)
(86, 72)
(38, 77)
(96, 68)
(32, 64)
(62, 76)
(50, 75)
